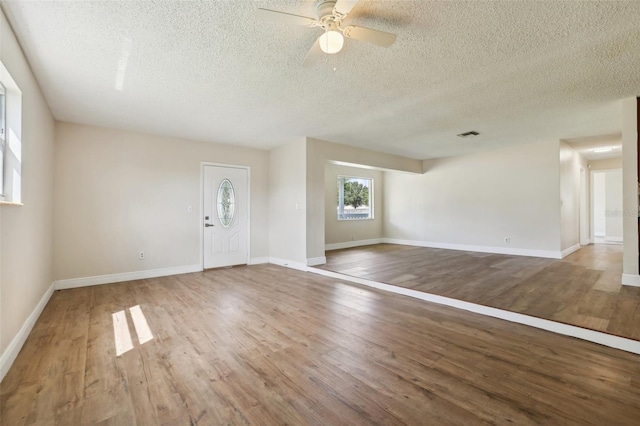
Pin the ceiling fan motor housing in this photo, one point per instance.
(324, 10)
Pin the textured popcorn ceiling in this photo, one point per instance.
(516, 72)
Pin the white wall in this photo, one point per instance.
(478, 200)
(607, 204)
(570, 163)
(598, 199)
(599, 205)
(118, 193)
(585, 212)
(629, 114)
(340, 231)
(26, 231)
(613, 199)
(287, 202)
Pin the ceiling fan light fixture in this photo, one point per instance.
(331, 42)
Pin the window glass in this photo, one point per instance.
(355, 198)
(11, 149)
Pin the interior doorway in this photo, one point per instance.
(225, 216)
(607, 206)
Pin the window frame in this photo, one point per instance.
(12, 147)
(3, 136)
(340, 205)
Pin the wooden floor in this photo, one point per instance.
(268, 345)
(582, 289)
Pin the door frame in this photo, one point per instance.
(584, 228)
(201, 218)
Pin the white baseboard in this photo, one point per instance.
(613, 239)
(313, 261)
(298, 265)
(357, 243)
(481, 249)
(12, 351)
(605, 339)
(631, 280)
(125, 276)
(288, 263)
(258, 260)
(568, 251)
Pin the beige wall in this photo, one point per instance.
(287, 202)
(118, 193)
(26, 231)
(320, 152)
(606, 164)
(479, 199)
(340, 231)
(630, 185)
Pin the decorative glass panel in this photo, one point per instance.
(226, 203)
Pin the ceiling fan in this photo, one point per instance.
(330, 15)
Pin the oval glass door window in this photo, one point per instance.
(226, 203)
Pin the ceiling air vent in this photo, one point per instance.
(467, 134)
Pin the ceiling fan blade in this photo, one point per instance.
(313, 55)
(379, 38)
(285, 18)
(343, 7)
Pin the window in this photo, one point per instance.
(10, 139)
(3, 132)
(355, 198)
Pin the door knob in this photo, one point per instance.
(206, 225)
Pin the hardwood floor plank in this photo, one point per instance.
(400, 396)
(269, 345)
(583, 289)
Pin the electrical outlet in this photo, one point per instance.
(141, 255)
(507, 240)
(353, 238)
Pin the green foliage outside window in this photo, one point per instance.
(355, 194)
(355, 200)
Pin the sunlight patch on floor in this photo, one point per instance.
(121, 333)
(140, 323)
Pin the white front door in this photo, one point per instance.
(226, 216)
